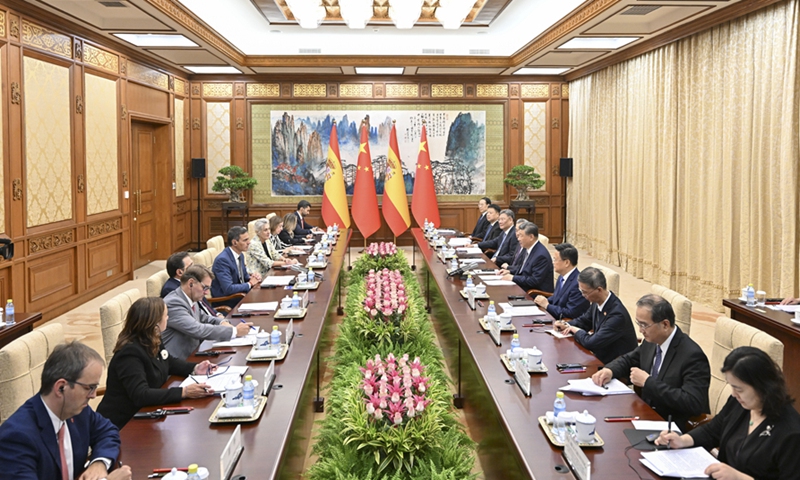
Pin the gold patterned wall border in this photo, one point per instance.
(535, 90)
(489, 90)
(147, 75)
(309, 90)
(217, 89)
(102, 228)
(261, 90)
(48, 142)
(355, 90)
(100, 58)
(447, 90)
(565, 90)
(535, 136)
(402, 90)
(2, 23)
(180, 154)
(218, 138)
(46, 39)
(180, 86)
(102, 179)
(48, 242)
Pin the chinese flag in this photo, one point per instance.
(395, 202)
(334, 199)
(365, 200)
(423, 202)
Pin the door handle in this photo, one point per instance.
(140, 202)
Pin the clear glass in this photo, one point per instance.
(761, 298)
(559, 429)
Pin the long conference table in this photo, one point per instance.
(526, 444)
(269, 452)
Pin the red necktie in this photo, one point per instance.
(194, 308)
(64, 466)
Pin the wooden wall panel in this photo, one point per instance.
(103, 259)
(51, 279)
(5, 282)
(147, 100)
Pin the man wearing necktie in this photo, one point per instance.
(669, 370)
(230, 273)
(567, 301)
(505, 242)
(178, 263)
(50, 435)
(482, 224)
(533, 267)
(303, 228)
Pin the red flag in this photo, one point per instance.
(395, 201)
(423, 202)
(365, 200)
(334, 198)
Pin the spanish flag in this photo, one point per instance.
(395, 202)
(334, 199)
(366, 215)
(423, 202)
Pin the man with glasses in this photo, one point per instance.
(188, 324)
(605, 328)
(567, 301)
(669, 370)
(177, 263)
(50, 435)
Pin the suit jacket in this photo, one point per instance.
(770, 452)
(186, 329)
(504, 253)
(226, 281)
(480, 226)
(613, 330)
(681, 387)
(30, 445)
(302, 228)
(567, 301)
(174, 283)
(257, 259)
(292, 240)
(135, 379)
(537, 271)
(492, 232)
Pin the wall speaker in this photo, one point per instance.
(199, 168)
(565, 168)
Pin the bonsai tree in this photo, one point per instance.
(523, 177)
(234, 180)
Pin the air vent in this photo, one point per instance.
(641, 10)
(310, 50)
(112, 4)
(483, 51)
(433, 51)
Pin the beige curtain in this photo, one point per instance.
(686, 160)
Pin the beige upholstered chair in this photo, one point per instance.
(21, 364)
(251, 228)
(156, 282)
(217, 243)
(680, 304)
(205, 257)
(612, 277)
(544, 240)
(112, 316)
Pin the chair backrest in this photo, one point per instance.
(612, 277)
(680, 304)
(216, 242)
(730, 334)
(204, 257)
(156, 282)
(251, 228)
(544, 240)
(112, 317)
(21, 364)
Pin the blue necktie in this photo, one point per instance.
(656, 362)
(500, 247)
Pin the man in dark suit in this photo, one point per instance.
(177, 263)
(567, 300)
(50, 435)
(669, 370)
(494, 229)
(505, 243)
(482, 223)
(303, 228)
(230, 272)
(533, 267)
(607, 318)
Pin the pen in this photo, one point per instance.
(621, 419)
(480, 304)
(669, 428)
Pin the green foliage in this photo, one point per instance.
(234, 180)
(524, 177)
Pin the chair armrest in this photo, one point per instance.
(213, 300)
(698, 420)
(476, 239)
(223, 309)
(489, 252)
(533, 292)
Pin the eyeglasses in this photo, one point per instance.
(585, 292)
(90, 389)
(205, 287)
(643, 326)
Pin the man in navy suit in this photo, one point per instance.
(494, 229)
(177, 263)
(230, 272)
(567, 301)
(481, 225)
(605, 328)
(533, 267)
(505, 243)
(303, 228)
(49, 436)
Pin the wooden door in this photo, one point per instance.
(145, 246)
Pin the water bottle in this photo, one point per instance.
(320, 257)
(492, 312)
(470, 284)
(427, 226)
(335, 227)
(191, 471)
(275, 338)
(10, 313)
(453, 263)
(515, 343)
(751, 296)
(559, 406)
(295, 301)
(248, 391)
(310, 277)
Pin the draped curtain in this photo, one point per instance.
(686, 160)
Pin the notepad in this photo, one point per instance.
(277, 281)
(558, 334)
(499, 283)
(658, 425)
(469, 250)
(458, 242)
(520, 311)
(258, 306)
(236, 342)
(218, 381)
(681, 463)
(587, 387)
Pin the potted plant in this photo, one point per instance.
(523, 177)
(234, 180)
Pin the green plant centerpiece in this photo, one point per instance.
(523, 177)
(235, 181)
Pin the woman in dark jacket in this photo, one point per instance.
(757, 431)
(141, 365)
(287, 235)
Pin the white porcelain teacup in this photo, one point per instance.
(585, 424)
(262, 340)
(505, 319)
(480, 289)
(233, 394)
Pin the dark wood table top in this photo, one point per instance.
(24, 324)
(179, 440)
(775, 318)
(519, 414)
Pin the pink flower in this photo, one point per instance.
(398, 419)
(378, 414)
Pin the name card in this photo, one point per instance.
(471, 298)
(494, 332)
(289, 332)
(269, 379)
(231, 453)
(522, 376)
(576, 459)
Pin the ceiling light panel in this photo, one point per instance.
(155, 40)
(207, 69)
(379, 70)
(541, 71)
(597, 43)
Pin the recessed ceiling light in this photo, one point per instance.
(379, 70)
(481, 32)
(156, 40)
(211, 69)
(541, 71)
(274, 31)
(602, 43)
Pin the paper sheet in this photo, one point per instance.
(471, 261)
(217, 381)
(499, 283)
(276, 281)
(458, 242)
(520, 311)
(682, 463)
(446, 231)
(236, 342)
(558, 334)
(587, 387)
(490, 277)
(785, 308)
(654, 425)
(258, 306)
(469, 250)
